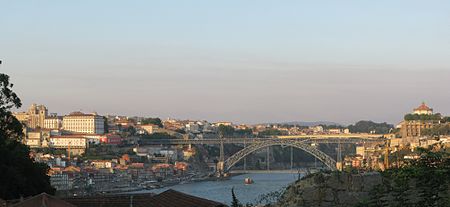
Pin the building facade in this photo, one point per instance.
(423, 109)
(415, 127)
(78, 122)
(53, 123)
(34, 117)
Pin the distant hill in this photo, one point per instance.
(308, 123)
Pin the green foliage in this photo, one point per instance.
(20, 175)
(438, 130)
(244, 132)
(105, 124)
(422, 182)
(445, 119)
(423, 117)
(327, 127)
(226, 131)
(271, 132)
(229, 131)
(235, 202)
(369, 126)
(269, 198)
(155, 121)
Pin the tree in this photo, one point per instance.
(235, 202)
(20, 175)
(105, 124)
(271, 132)
(370, 126)
(155, 121)
(226, 131)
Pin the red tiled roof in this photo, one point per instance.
(43, 200)
(422, 107)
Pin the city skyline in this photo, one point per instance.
(252, 63)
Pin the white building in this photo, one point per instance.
(52, 123)
(84, 123)
(316, 129)
(77, 144)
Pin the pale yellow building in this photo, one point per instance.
(78, 122)
(53, 123)
(149, 128)
(34, 117)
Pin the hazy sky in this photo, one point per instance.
(243, 61)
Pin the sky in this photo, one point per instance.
(240, 61)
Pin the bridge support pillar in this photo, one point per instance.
(268, 159)
(292, 158)
(220, 168)
(339, 157)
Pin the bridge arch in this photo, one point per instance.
(235, 158)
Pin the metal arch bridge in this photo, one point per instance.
(303, 142)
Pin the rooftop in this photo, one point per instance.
(423, 107)
(169, 198)
(43, 200)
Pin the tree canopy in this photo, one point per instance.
(155, 121)
(20, 175)
(271, 132)
(370, 126)
(437, 130)
(423, 117)
(421, 182)
(229, 131)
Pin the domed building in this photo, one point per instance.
(423, 109)
(415, 125)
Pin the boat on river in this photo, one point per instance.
(248, 181)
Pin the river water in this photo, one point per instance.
(220, 191)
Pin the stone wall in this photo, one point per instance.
(330, 189)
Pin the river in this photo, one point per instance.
(221, 190)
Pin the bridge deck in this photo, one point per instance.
(305, 139)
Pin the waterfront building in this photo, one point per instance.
(78, 122)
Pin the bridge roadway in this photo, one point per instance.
(307, 139)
